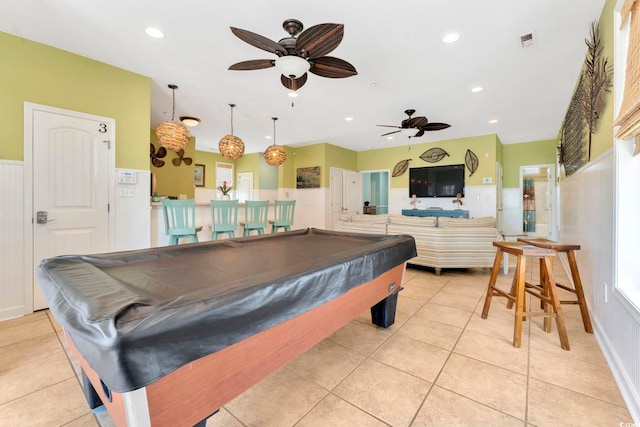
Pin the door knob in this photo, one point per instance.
(41, 217)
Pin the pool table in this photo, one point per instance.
(167, 336)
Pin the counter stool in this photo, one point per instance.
(575, 275)
(546, 291)
(180, 220)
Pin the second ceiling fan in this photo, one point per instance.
(302, 51)
(420, 124)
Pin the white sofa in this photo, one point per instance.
(441, 242)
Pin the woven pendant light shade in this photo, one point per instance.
(231, 147)
(274, 154)
(173, 135)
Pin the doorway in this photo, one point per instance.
(538, 201)
(375, 190)
(69, 186)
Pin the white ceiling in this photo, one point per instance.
(396, 47)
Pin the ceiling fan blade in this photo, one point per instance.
(389, 133)
(418, 122)
(255, 64)
(435, 126)
(258, 41)
(319, 40)
(176, 161)
(335, 68)
(419, 134)
(158, 163)
(187, 160)
(153, 149)
(293, 84)
(161, 152)
(389, 126)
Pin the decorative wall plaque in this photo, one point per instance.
(471, 160)
(433, 155)
(401, 167)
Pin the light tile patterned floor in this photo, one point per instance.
(440, 364)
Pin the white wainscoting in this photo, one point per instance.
(133, 213)
(13, 295)
(479, 200)
(586, 218)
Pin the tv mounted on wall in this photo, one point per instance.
(436, 181)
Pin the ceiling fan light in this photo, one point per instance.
(292, 66)
(409, 132)
(231, 147)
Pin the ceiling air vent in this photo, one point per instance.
(526, 40)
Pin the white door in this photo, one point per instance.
(71, 174)
(336, 194)
(245, 186)
(352, 191)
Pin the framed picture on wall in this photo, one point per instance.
(199, 175)
(308, 177)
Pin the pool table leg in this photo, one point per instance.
(93, 399)
(383, 314)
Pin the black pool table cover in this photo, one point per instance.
(136, 316)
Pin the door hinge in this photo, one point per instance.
(108, 144)
(108, 207)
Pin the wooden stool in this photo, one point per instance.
(546, 291)
(575, 275)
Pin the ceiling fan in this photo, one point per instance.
(156, 156)
(297, 55)
(420, 124)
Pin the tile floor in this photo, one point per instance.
(440, 364)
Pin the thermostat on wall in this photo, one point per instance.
(127, 177)
(487, 180)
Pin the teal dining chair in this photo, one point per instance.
(180, 220)
(255, 216)
(283, 218)
(224, 218)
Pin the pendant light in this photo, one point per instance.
(231, 147)
(173, 135)
(274, 154)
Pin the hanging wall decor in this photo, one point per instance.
(181, 158)
(156, 156)
(400, 168)
(598, 75)
(471, 160)
(433, 155)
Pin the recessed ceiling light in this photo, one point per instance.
(154, 32)
(293, 94)
(349, 119)
(451, 37)
(389, 137)
(374, 84)
(477, 89)
(493, 121)
(268, 136)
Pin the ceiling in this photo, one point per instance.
(398, 51)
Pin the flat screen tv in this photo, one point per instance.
(436, 181)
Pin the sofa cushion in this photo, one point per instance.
(482, 222)
(413, 221)
(370, 219)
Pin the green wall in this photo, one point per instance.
(249, 163)
(209, 161)
(268, 174)
(37, 73)
(526, 153)
(172, 180)
(602, 139)
(386, 158)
